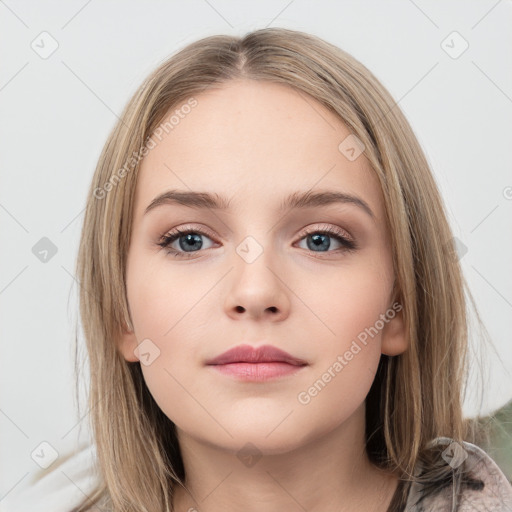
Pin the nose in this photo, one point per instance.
(258, 289)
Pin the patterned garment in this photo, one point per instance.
(64, 486)
(492, 493)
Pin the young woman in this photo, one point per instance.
(274, 313)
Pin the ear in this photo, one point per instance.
(127, 344)
(395, 339)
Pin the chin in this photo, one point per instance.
(262, 439)
(260, 444)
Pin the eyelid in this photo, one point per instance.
(320, 227)
(189, 227)
(327, 228)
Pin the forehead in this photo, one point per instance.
(253, 141)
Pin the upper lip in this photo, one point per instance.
(261, 354)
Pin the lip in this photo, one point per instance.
(262, 354)
(263, 363)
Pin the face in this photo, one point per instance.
(313, 280)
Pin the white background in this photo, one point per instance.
(58, 111)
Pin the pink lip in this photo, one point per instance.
(256, 364)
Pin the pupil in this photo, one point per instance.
(318, 242)
(190, 239)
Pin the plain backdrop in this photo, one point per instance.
(67, 70)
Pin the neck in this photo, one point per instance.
(329, 472)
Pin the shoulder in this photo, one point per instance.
(58, 489)
(493, 493)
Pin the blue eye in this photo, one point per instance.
(316, 238)
(187, 239)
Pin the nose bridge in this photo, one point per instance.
(253, 248)
(256, 259)
(255, 235)
(255, 230)
(256, 285)
(258, 233)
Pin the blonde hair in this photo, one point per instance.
(416, 396)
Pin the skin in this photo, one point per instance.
(256, 143)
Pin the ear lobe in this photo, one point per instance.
(127, 345)
(394, 339)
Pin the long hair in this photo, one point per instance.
(415, 397)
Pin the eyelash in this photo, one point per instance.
(167, 239)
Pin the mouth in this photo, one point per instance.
(263, 363)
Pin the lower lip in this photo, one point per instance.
(257, 371)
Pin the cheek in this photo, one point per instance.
(170, 309)
(163, 294)
(347, 302)
(350, 306)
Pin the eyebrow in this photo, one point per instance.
(296, 200)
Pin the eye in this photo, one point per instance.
(319, 239)
(189, 240)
